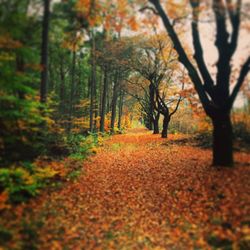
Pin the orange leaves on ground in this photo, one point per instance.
(142, 192)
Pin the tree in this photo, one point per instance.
(155, 61)
(44, 51)
(20, 117)
(163, 108)
(214, 95)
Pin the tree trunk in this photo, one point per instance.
(156, 127)
(104, 100)
(44, 52)
(151, 108)
(222, 141)
(120, 110)
(148, 123)
(72, 90)
(93, 85)
(156, 124)
(62, 86)
(114, 102)
(164, 133)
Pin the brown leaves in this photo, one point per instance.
(139, 193)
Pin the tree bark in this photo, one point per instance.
(222, 141)
(44, 52)
(62, 86)
(151, 107)
(164, 133)
(93, 85)
(120, 110)
(72, 89)
(156, 124)
(104, 100)
(114, 102)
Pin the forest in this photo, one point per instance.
(124, 124)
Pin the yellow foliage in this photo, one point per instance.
(7, 42)
(45, 173)
(100, 140)
(94, 150)
(25, 175)
(204, 124)
(6, 57)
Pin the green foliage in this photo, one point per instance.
(80, 146)
(23, 183)
(19, 184)
(74, 174)
(20, 116)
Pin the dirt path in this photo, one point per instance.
(138, 192)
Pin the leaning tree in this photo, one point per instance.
(154, 67)
(214, 94)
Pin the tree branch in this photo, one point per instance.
(243, 73)
(148, 8)
(178, 103)
(198, 56)
(183, 58)
(234, 15)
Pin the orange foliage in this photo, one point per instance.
(7, 42)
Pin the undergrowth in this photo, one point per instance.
(21, 181)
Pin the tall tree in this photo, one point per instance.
(104, 98)
(44, 51)
(114, 100)
(214, 94)
(93, 83)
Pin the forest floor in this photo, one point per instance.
(141, 192)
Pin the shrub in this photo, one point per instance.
(19, 184)
(80, 146)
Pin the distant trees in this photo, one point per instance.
(155, 67)
(215, 95)
(68, 88)
(88, 61)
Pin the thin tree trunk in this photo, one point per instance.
(44, 52)
(120, 110)
(62, 86)
(104, 100)
(101, 93)
(222, 141)
(51, 78)
(114, 101)
(72, 90)
(93, 85)
(151, 108)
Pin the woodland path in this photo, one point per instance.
(142, 192)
